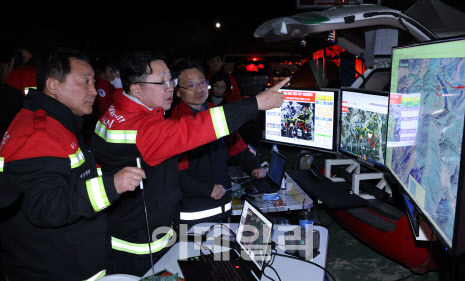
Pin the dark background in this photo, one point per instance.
(179, 28)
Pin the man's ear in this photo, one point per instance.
(51, 85)
(109, 73)
(136, 91)
(177, 92)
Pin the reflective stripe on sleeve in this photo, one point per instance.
(219, 121)
(97, 276)
(2, 163)
(189, 216)
(141, 249)
(26, 89)
(76, 159)
(115, 136)
(97, 195)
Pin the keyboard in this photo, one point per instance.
(258, 186)
(237, 173)
(220, 269)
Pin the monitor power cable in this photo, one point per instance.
(423, 265)
(301, 259)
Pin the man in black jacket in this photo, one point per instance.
(59, 231)
(204, 176)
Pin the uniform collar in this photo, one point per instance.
(37, 100)
(129, 103)
(182, 107)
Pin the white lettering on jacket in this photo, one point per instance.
(85, 174)
(107, 122)
(119, 118)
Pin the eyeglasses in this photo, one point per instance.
(166, 84)
(191, 87)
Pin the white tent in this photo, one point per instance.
(440, 18)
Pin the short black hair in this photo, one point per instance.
(101, 61)
(133, 66)
(6, 53)
(186, 64)
(58, 65)
(221, 76)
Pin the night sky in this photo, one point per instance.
(179, 28)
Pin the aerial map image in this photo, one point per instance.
(298, 120)
(363, 133)
(425, 134)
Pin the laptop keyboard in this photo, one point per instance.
(260, 186)
(220, 269)
(237, 172)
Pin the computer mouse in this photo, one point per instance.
(247, 196)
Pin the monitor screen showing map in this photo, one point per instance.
(425, 132)
(305, 119)
(363, 125)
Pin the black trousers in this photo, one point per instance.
(137, 265)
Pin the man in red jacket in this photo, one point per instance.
(204, 176)
(23, 77)
(134, 126)
(58, 231)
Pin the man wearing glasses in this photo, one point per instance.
(204, 176)
(134, 126)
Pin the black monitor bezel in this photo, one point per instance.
(367, 163)
(335, 141)
(250, 263)
(457, 245)
(412, 217)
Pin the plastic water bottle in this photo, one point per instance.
(306, 219)
(275, 148)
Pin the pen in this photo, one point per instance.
(239, 184)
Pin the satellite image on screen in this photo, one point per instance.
(298, 120)
(255, 237)
(426, 120)
(362, 133)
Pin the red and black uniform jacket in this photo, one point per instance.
(58, 231)
(23, 78)
(105, 91)
(203, 167)
(129, 130)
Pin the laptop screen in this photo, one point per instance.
(277, 165)
(254, 235)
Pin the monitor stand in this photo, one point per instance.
(353, 167)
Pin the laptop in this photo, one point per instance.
(272, 182)
(237, 173)
(246, 260)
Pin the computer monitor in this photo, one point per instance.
(277, 167)
(254, 235)
(425, 133)
(363, 125)
(412, 215)
(306, 119)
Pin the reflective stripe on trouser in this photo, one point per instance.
(97, 276)
(189, 216)
(2, 163)
(141, 248)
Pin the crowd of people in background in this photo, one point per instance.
(18, 67)
(80, 133)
